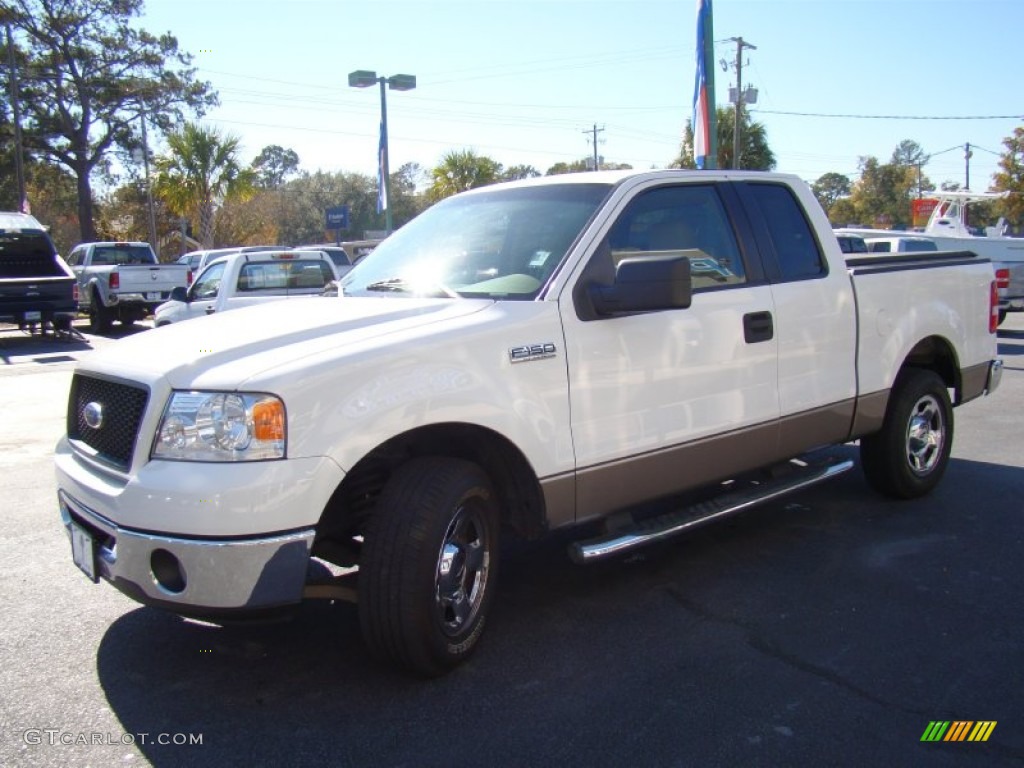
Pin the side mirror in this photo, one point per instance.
(645, 285)
(179, 293)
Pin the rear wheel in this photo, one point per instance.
(908, 456)
(100, 318)
(429, 562)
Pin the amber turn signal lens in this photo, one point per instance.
(268, 420)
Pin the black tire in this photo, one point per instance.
(908, 456)
(100, 318)
(428, 566)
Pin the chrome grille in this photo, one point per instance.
(121, 408)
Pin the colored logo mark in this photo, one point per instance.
(959, 730)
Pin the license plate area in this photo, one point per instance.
(153, 296)
(83, 550)
(33, 316)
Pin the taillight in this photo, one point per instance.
(74, 293)
(114, 280)
(1003, 278)
(993, 308)
(189, 277)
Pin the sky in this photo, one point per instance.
(526, 82)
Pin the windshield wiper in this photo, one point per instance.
(401, 285)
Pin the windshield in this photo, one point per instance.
(499, 244)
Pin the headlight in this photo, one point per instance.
(221, 426)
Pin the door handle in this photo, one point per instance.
(757, 327)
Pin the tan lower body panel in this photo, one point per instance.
(608, 487)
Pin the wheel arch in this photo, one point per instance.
(935, 353)
(520, 497)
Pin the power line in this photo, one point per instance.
(889, 117)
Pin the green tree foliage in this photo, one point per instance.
(755, 153)
(843, 213)
(909, 154)
(461, 170)
(306, 199)
(406, 201)
(89, 75)
(51, 190)
(584, 164)
(251, 221)
(883, 193)
(516, 172)
(273, 165)
(199, 173)
(830, 188)
(1010, 178)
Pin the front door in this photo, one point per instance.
(668, 400)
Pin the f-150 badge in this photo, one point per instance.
(531, 352)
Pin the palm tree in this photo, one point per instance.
(199, 173)
(461, 170)
(756, 154)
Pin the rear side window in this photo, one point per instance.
(795, 245)
(283, 275)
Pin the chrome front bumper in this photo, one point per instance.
(200, 577)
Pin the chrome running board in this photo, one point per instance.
(640, 533)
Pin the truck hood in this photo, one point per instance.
(226, 350)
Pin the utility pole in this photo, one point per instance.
(740, 45)
(594, 131)
(16, 108)
(149, 187)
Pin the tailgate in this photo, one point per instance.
(146, 278)
(45, 295)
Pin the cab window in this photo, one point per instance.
(207, 284)
(688, 220)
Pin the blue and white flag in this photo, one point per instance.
(701, 113)
(382, 187)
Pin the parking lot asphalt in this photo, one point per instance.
(829, 628)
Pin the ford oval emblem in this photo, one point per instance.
(93, 415)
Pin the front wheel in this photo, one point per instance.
(908, 456)
(428, 567)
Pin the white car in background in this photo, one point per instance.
(242, 279)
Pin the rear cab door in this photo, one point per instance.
(815, 313)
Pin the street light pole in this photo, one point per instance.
(384, 159)
(363, 78)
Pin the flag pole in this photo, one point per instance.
(709, 69)
(705, 131)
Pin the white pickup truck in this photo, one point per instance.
(244, 279)
(122, 281)
(528, 357)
